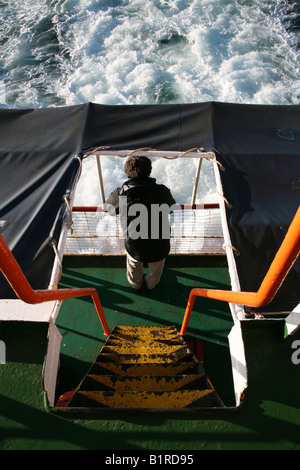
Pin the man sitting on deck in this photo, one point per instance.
(147, 236)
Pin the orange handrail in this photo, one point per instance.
(16, 278)
(283, 261)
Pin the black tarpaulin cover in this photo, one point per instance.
(37, 168)
(259, 146)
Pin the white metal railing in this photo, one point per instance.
(195, 228)
(195, 152)
(84, 239)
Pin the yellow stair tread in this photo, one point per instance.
(144, 332)
(144, 348)
(146, 382)
(148, 358)
(142, 399)
(137, 340)
(143, 329)
(144, 368)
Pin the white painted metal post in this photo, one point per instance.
(196, 180)
(100, 178)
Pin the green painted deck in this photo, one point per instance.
(164, 306)
(269, 418)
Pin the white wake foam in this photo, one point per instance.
(65, 52)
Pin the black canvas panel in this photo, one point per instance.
(37, 168)
(259, 147)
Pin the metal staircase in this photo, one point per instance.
(145, 368)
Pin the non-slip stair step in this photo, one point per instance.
(143, 331)
(145, 368)
(145, 382)
(144, 400)
(144, 348)
(182, 368)
(149, 337)
(142, 358)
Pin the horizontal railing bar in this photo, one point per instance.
(153, 153)
(19, 283)
(189, 237)
(176, 207)
(284, 259)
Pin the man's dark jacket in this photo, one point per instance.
(147, 192)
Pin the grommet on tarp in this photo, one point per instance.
(97, 149)
(217, 162)
(286, 134)
(138, 150)
(194, 149)
(230, 206)
(235, 250)
(53, 244)
(66, 198)
(69, 218)
(77, 157)
(2, 224)
(216, 152)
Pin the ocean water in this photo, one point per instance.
(66, 52)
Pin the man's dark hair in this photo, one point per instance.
(138, 167)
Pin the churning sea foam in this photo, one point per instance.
(66, 52)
